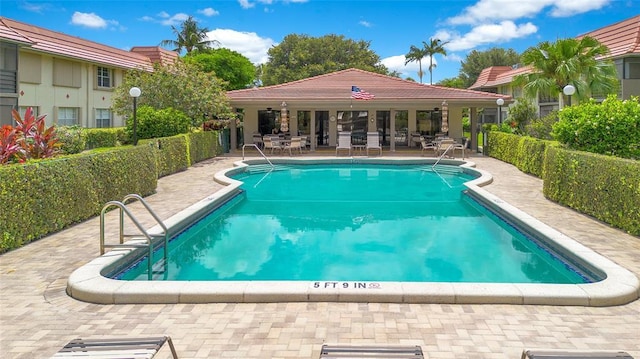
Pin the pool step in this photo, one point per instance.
(442, 169)
(266, 168)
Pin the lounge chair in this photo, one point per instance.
(373, 142)
(449, 145)
(573, 354)
(349, 351)
(344, 142)
(115, 348)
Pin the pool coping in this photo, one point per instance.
(620, 286)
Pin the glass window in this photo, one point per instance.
(304, 123)
(429, 121)
(402, 127)
(104, 77)
(103, 117)
(23, 110)
(67, 116)
(632, 68)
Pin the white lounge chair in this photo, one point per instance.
(344, 142)
(115, 348)
(373, 142)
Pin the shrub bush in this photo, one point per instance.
(72, 139)
(604, 187)
(203, 145)
(45, 196)
(542, 127)
(105, 137)
(171, 155)
(610, 128)
(158, 123)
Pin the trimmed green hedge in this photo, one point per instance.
(526, 153)
(42, 197)
(171, 154)
(46, 196)
(604, 187)
(203, 145)
(105, 137)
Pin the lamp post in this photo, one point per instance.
(135, 93)
(568, 91)
(499, 102)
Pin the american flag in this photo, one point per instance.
(358, 94)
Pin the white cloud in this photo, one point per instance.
(209, 12)
(248, 44)
(365, 23)
(245, 4)
(497, 10)
(174, 19)
(88, 20)
(485, 34)
(572, 7)
(396, 63)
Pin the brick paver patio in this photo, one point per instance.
(37, 318)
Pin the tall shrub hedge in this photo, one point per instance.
(42, 197)
(604, 187)
(526, 153)
(171, 154)
(203, 145)
(46, 196)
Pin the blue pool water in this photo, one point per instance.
(356, 223)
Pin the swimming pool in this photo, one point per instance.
(617, 286)
(357, 222)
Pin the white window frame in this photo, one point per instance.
(101, 115)
(104, 74)
(68, 116)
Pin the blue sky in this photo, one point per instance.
(251, 27)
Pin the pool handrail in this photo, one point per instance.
(259, 151)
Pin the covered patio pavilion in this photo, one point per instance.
(399, 110)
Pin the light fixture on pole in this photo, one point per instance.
(135, 93)
(568, 91)
(499, 102)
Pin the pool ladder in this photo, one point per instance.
(148, 238)
(259, 151)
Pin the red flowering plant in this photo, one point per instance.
(10, 150)
(30, 138)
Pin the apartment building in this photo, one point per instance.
(68, 78)
(623, 41)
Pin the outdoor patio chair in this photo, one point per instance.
(373, 351)
(573, 354)
(271, 143)
(257, 140)
(115, 348)
(373, 142)
(428, 146)
(294, 145)
(344, 142)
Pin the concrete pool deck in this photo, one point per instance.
(37, 317)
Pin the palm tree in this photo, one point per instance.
(568, 61)
(189, 37)
(434, 47)
(415, 54)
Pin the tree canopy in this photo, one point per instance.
(476, 61)
(182, 86)
(416, 54)
(301, 56)
(189, 37)
(226, 64)
(568, 61)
